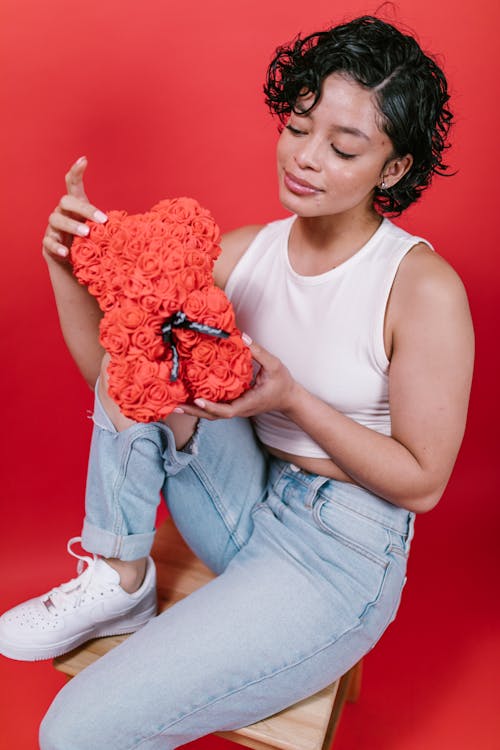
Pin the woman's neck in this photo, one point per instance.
(318, 244)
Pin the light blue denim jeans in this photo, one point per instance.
(310, 573)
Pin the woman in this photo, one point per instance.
(365, 352)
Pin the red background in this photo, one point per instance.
(165, 99)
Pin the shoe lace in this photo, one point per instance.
(69, 595)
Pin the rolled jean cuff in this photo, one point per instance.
(107, 544)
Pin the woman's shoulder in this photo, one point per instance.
(424, 272)
(233, 246)
(426, 281)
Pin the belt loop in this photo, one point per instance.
(411, 530)
(314, 489)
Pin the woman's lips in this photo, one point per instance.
(298, 186)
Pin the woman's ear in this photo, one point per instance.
(394, 170)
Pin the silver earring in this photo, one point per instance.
(382, 186)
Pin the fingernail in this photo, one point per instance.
(79, 161)
(200, 402)
(246, 338)
(99, 216)
(62, 251)
(178, 410)
(82, 230)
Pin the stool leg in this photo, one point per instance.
(349, 689)
(354, 689)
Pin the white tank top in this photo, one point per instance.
(328, 330)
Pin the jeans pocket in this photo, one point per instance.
(355, 532)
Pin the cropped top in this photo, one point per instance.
(328, 330)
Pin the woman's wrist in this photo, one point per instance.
(296, 401)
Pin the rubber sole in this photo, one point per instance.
(40, 653)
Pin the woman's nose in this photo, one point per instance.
(308, 154)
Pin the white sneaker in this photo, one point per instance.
(89, 606)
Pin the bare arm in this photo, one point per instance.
(429, 382)
(79, 317)
(233, 244)
(79, 313)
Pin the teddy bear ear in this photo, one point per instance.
(195, 220)
(86, 256)
(162, 207)
(205, 226)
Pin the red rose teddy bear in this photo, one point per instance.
(170, 331)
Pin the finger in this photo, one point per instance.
(80, 207)
(74, 178)
(54, 234)
(59, 222)
(262, 356)
(53, 247)
(193, 411)
(217, 410)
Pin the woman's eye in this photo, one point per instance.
(293, 130)
(342, 154)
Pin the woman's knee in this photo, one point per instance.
(183, 426)
(112, 409)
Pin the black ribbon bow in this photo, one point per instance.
(180, 320)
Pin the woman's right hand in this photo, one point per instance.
(67, 219)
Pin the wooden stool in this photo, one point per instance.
(308, 725)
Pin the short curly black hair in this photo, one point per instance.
(409, 87)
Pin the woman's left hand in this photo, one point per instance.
(274, 389)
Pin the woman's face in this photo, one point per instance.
(331, 159)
